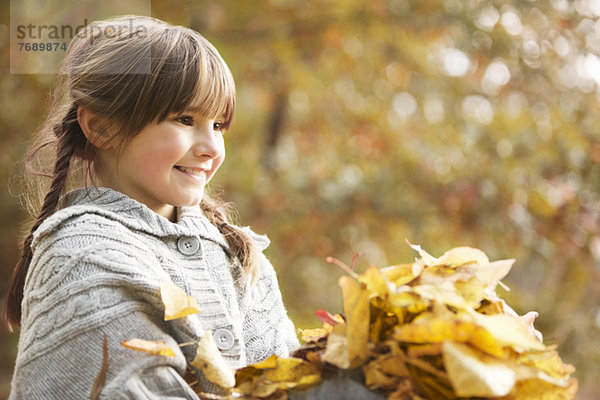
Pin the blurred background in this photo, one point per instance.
(361, 124)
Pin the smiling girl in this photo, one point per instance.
(137, 124)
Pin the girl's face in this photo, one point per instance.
(166, 164)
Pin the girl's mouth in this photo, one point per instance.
(196, 173)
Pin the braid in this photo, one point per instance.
(240, 245)
(68, 139)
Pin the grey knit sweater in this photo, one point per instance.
(97, 267)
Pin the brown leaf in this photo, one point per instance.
(101, 378)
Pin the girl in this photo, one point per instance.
(137, 123)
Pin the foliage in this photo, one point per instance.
(431, 329)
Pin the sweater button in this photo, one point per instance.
(188, 245)
(223, 338)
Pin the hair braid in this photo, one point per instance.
(67, 141)
(240, 245)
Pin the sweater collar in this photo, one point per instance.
(133, 214)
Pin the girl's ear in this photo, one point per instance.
(93, 128)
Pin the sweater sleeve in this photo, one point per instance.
(88, 280)
(267, 328)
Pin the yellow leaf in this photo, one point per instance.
(209, 360)
(313, 335)
(442, 273)
(265, 378)
(177, 303)
(463, 255)
(270, 362)
(400, 274)
(443, 293)
(536, 389)
(548, 362)
(472, 291)
(427, 258)
(493, 272)
(356, 310)
(409, 300)
(154, 347)
(509, 331)
(472, 373)
(431, 329)
(375, 281)
(294, 371)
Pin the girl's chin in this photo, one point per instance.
(191, 201)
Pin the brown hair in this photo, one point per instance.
(117, 69)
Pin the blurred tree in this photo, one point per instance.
(362, 124)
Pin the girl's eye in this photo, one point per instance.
(218, 126)
(186, 120)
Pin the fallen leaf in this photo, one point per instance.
(264, 379)
(313, 335)
(336, 352)
(375, 281)
(210, 361)
(427, 258)
(154, 347)
(400, 274)
(472, 373)
(101, 378)
(463, 255)
(509, 331)
(432, 329)
(356, 310)
(177, 303)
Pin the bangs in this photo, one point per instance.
(194, 77)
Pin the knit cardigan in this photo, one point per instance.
(96, 270)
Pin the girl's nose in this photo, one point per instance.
(208, 143)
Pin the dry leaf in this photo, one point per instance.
(177, 303)
(400, 274)
(509, 331)
(463, 255)
(376, 282)
(210, 361)
(356, 310)
(154, 347)
(431, 329)
(427, 258)
(336, 352)
(472, 373)
(101, 378)
(313, 335)
(264, 379)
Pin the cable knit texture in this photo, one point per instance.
(96, 270)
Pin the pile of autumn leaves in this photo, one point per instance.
(431, 329)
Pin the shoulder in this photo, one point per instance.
(82, 225)
(79, 242)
